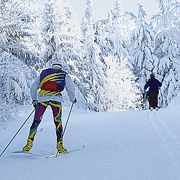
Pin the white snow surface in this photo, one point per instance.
(129, 145)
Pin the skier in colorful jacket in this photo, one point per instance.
(46, 91)
(153, 84)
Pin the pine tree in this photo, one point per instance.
(168, 51)
(111, 42)
(93, 66)
(15, 79)
(16, 31)
(141, 49)
(60, 35)
(51, 27)
(15, 54)
(115, 22)
(167, 25)
(70, 46)
(168, 15)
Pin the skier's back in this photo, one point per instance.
(153, 84)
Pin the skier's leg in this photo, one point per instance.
(57, 113)
(37, 118)
(156, 102)
(41, 107)
(154, 99)
(150, 99)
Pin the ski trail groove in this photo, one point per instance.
(169, 132)
(168, 142)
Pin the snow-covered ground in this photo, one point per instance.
(132, 145)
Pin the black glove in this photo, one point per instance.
(75, 101)
(35, 103)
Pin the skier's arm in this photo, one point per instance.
(34, 88)
(70, 88)
(146, 85)
(159, 84)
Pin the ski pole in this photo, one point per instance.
(17, 133)
(67, 119)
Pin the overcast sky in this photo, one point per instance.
(102, 7)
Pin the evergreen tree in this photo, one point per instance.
(93, 66)
(115, 22)
(70, 46)
(51, 27)
(168, 52)
(110, 39)
(168, 15)
(16, 34)
(167, 25)
(16, 31)
(141, 49)
(60, 35)
(15, 79)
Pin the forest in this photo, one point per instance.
(109, 60)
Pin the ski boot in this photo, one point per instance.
(28, 146)
(60, 148)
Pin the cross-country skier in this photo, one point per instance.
(46, 91)
(153, 84)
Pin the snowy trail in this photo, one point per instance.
(118, 146)
(168, 140)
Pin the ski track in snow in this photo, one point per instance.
(140, 144)
(169, 141)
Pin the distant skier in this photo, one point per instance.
(153, 84)
(50, 84)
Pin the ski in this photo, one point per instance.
(22, 152)
(50, 156)
(70, 151)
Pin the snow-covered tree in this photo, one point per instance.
(111, 38)
(112, 34)
(51, 27)
(114, 24)
(122, 91)
(142, 46)
(15, 78)
(168, 52)
(70, 50)
(15, 35)
(16, 32)
(168, 15)
(166, 24)
(16, 54)
(92, 66)
(61, 40)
